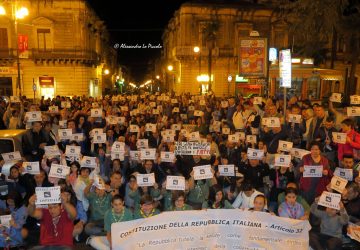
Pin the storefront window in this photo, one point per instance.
(313, 88)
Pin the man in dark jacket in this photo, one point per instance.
(33, 143)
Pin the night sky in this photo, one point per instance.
(136, 22)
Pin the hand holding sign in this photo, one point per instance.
(203, 172)
(47, 195)
(330, 200)
(335, 97)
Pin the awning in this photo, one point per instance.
(331, 77)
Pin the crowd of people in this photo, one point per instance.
(95, 196)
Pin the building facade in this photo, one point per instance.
(63, 50)
(194, 55)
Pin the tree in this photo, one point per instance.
(317, 23)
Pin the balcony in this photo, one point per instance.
(87, 57)
(187, 52)
(7, 56)
(226, 52)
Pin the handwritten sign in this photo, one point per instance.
(330, 200)
(192, 148)
(175, 182)
(313, 171)
(145, 180)
(202, 172)
(32, 168)
(47, 195)
(226, 170)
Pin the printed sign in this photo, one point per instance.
(148, 154)
(353, 231)
(134, 128)
(313, 171)
(121, 120)
(118, 147)
(175, 110)
(150, 127)
(51, 151)
(251, 139)
(59, 171)
(226, 131)
(355, 99)
(241, 135)
(338, 183)
(124, 108)
(145, 180)
(168, 138)
(63, 124)
(202, 172)
(167, 156)
(257, 100)
(88, 162)
(235, 138)
(339, 137)
(330, 200)
(97, 139)
(12, 156)
(142, 143)
(118, 155)
(285, 146)
(226, 170)
(112, 120)
(77, 137)
(73, 151)
(65, 104)
(271, 122)
(255, 154)
(135, 155)
(335, 97)
(176, 127)
(353, 111)
(298, 152)
(65, 134)
(14, 99)
(34, 116)
(294, 118)
(96, 131)
(96, 113)
(198, 113)
(344, 173)
(53, 109)
(282, 160)
(175, 182)
(32, 168)
(183, 116)
(192, 148)
(47, 195)
(194, 136)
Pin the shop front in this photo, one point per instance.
(47, 86)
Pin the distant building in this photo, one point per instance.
(63, 48)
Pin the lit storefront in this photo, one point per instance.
(47, 86)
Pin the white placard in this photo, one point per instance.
(112, 120)
(285, 68)
(174, 101)
(88, 162)
(53, 109)
(271, 122)
(251, 139)
(353, 111)
(118, 147)
(135, 155)
(5, 220)
(96, 131)
(134, 128)
(335, 97)
(339, 137)
(95, 105)
(14, 99)
(121, 120)
(152, 104)
(282, 160)
(192, 148)
(59, 171)
(77, 137)
(167, 156)
(330, 200)
(150, 127)
(176, 127)
(294, 118)
(96, 113)
(124, 108)
(285, 146)
(148, 154)
(299, 153)
(168, 138)
(51, 151)
(175, 182)
(224, 104)
(241, 135)
(255, 154)
(194, 136)
(98, 139)
(65, 104)
(168, 132)
(344, 173)
(235, 138)
(191, 108)
(338, 183)
(183, 116)
(47, 195)
(355, 99)
(156, 112)
(73, 151)
(32, 168)
(198, 113)
(142, 143)
(118, 155)
(257, 100)
(313, 171)
(34, 116)
(65, 134)
(226, 131)
(175, 110)
(63, 124)
(145, 180)
(202, 172)
(202, 103)
(226, 170)
(12, 156)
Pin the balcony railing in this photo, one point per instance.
(7, 54)
(85, 56)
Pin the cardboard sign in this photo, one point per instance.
(98, 139)
(251, 139)
(12, 156)
(198, 113)
(167, 156)
(142, 143)
(73, 151)
(271, 122)
(53, 109)
(175, 182)
(282, 160)
(51, 151)
(134, 128)
(135, 155)
(202, 172)
(355, 99)
(330, 200)
(313, 171)
(47, 195)
(344, 173)
(148, 154)
(335, 97)
(63, 124)
(145, 180)
(118, 155)
(235, 138)
(59, 171)
(77, 137)
(32, 168)
(65, 134)
(224, 104)
(96, 113)
(255, 154)
(118, 147)
(285, 146)
(338, 183)
(339, 137)
(5, 220)
(176, 127)
(192, 148)
(294, 118)
(88, 162)
(65, 104)
(15, 99)
(353, 111)
(226, 170)
(34, 116)
(257, 100)
(150, 127)
(299, 153)
(226, 131)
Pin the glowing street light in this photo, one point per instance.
(2, 11)
(106, 71)
(170, 68)
(158, 77)
(196, 49)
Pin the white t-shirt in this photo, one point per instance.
(243, 201)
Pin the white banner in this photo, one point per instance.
(192, 148)
(31, 167)
(313, 171)
(202, 172)
(226, 170)
(330, 200)
(338, 183)
(211, 229)
(167, 156)
(255, 154)
(59, 171)
(145, 180)
(345, 173)
(339, 137)
(47, 195)
(282, 160)
(175, 182)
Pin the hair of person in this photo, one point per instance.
(16, 197)
(247, 186)
(76, 163)
(293, 183)
(118, 160)
(261, 196)
(117, 197)
(348, 122)
(291, 190)
(114, 173)
(315, 143)
(85, 168)
(348, 156)
(214, 189)
(295, 106)
(330, 119)
(176, 195)
(146, 199)
(68, 189)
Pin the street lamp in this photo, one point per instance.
(170, 68)
(196, 49)
(158, 77)
(106, 71)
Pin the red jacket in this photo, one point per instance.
(305, 183)
(347, 149)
